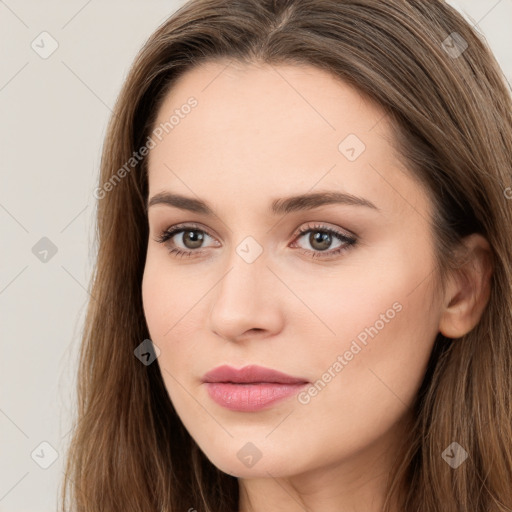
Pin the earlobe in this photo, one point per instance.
(469, 289)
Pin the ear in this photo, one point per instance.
(469, 288)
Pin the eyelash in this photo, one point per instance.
(348, 240)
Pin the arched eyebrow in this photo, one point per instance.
(282, 206)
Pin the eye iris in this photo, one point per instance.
(324, 239)
(194, 237)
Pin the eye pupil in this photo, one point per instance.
(324, 239)
(194, 237)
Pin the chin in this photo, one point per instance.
(244, 459)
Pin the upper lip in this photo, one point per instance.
(250, 374)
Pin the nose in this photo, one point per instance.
(246, 301)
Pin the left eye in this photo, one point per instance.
(320, 239)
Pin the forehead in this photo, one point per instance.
(263, 99)
(260, 130)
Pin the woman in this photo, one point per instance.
(303, 293)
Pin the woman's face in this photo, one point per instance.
(346, 308)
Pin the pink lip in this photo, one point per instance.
(250, 388)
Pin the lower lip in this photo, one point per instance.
(250, 397)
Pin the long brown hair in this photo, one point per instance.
(451, 111)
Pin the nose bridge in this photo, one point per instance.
(246, 274)
(242, 298)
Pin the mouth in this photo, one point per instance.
(251, 388)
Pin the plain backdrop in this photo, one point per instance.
(54, 112)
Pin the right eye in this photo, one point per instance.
(191, 235)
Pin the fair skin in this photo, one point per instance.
(260, 133)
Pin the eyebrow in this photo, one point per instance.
(280, 206)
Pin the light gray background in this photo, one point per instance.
(54, 113)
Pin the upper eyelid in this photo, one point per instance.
(347, 240)
(309, 226)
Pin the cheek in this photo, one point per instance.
(169, 310)
(379, 321)
(167, 296)
(170, 302)
(366, 380)
(154, 299)
(370, 373)
(163, 307)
